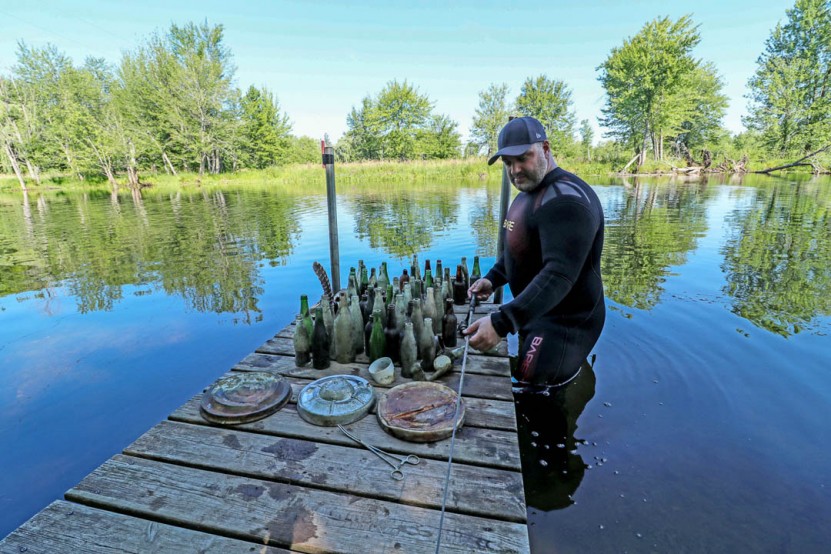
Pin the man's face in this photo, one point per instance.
(527, 171)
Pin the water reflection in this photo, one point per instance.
(777, 257)
(649, 229)
(404, 222)
(204, 246)
(552, 468)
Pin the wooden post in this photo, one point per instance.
(331, 202)
(503, 213)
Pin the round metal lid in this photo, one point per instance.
(337, 399)
(420, 411)
(244, 397)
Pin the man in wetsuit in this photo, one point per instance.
(553, 237)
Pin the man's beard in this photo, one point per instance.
(534, 177)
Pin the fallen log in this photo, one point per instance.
(797, 163)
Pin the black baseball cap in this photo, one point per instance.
(517, 136)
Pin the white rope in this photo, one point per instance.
(453, 435)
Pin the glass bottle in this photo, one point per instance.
(383, 278)
(373, 280)
(392, 335)
(364, 278)
(328, 317)
(377, 339)
(344, 350)
(430, 309)
(465, 272)
(475, 273)
(307, 317)
(302, 343)
(426, 345)
(459, 288)
(449, 325)
(357, 324)
(321, 343)
(417, 316)
(408, 350)
(405, 278)
(439, 272)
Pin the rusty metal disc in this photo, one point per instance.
(420, 411)
(244, 397)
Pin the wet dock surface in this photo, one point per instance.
(281, 484)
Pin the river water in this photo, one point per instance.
(705, 427)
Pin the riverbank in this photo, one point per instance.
(354, 176)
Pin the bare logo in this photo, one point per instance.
(508, 224)
(530, 357)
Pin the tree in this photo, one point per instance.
(586, 137)
(398, 123)
(264, 131)
(790, 93)
(650, 87)
(490, 116)
(549, 101)
(440, 139)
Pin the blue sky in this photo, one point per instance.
(321, 58)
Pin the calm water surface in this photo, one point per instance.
(707, 429)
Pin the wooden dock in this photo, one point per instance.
(283, 485)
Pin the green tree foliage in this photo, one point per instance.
(550, 102)
(490, 116)
(264, 131)
(170, 105)
(656, 90)
(398, 123)
(790, 93)
(586, 138)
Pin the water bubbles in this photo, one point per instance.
(543, 463)
(560, 445)
(639, 535)
(545, 446)
(534, 434)
(621, 495)
(607, 404)
(533, 445)
(617, 472)
(602, 526)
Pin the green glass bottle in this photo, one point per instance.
(307, 317)
(377, 339)
(475, 273)
(439, 272)
(302, 343)
(428, 278)
(383, 277)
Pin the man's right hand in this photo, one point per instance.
(482, 288)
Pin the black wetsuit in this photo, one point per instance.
(553, 239)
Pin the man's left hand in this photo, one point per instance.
(483, 336)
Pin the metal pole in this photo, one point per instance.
(503, 213)
(332, 203)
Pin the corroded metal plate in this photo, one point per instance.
(337, 399)
(420, 411)
(244, 397)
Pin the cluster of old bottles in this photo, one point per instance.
(407, 318)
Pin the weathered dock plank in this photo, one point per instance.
(278, 514)
(474, 490)
(485, 447)
(55, 529)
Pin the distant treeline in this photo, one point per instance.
(171, 105)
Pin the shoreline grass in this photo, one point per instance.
(354, 176)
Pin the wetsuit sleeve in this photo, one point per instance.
(497, 274)
(567, 230)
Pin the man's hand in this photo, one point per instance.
(482, 288)
(483, 335)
